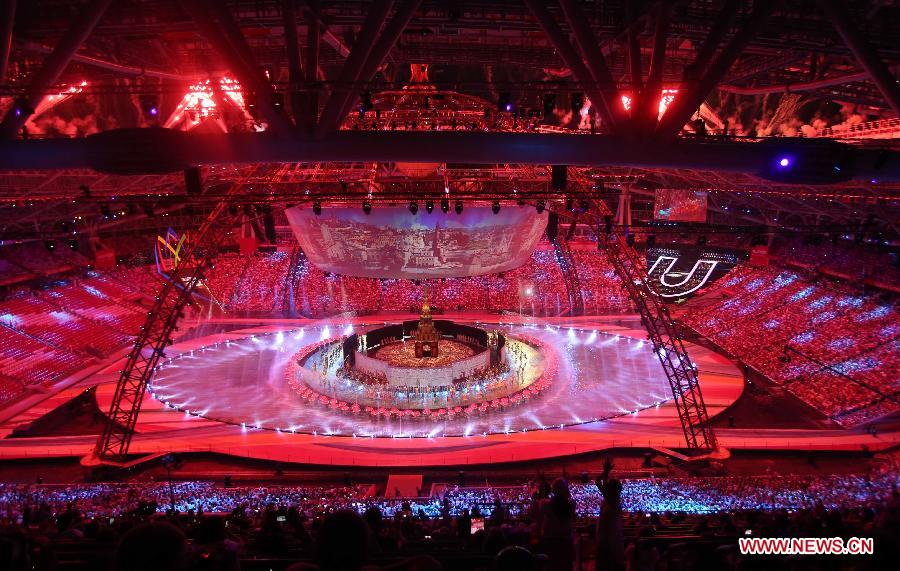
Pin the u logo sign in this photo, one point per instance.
(676, 284)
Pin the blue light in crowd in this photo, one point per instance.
(802, 293)
(784, 162)
(10, 319)
(841, 344)
(94, 292)
(61, 316)
(804, 337)
(856, 365)
(880, 311)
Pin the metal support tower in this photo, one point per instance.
(667, 344)
(570, 276)
(156, 333)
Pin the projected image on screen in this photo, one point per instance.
(392, 243)
(680, 204)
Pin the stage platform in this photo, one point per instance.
(614, 383)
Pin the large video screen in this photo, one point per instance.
(393, 243)
(680, 204)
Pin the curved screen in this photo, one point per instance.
(392, 243)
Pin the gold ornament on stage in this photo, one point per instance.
(426, 336)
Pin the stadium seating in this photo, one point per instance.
(674, 523)
(842, 355)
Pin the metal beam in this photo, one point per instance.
(593, 56)
(295, 72)
(147, 151)
(53, 67)
(116, 67)
(571, 58)
(634, 58)
(648, 111)
(662, 332)
(313, 30)
(794, 87)
(713, 39)
(277, 121)
(232, 46)
(7, 18)
(156, 333)
(383, 47)
(347, 79)
(864, 53)
(311, 12)
(689, 99)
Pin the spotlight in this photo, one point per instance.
(50, 245)
(445, 205)
(495, 207)
(413, 207)
(429, 206)
(150, 105)
(317, 208)
(458, 207)
(503, 101)
(367, 207)
(73, 244)
(540, 206)
(784, 162)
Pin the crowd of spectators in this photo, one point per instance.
(607, 524)
(824, 341)
(842, 257)
(266, 282)
(49, 333)
(38, 258)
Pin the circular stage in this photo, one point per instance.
(403, 354)
(587, 374)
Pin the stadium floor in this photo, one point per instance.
(162, 429)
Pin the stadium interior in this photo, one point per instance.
(463, 285)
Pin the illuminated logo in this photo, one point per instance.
(681, 284)
(677, 272)
(169, 249)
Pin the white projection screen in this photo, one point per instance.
(393, 243)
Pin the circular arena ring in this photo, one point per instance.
(578, 375)
(529, 374)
